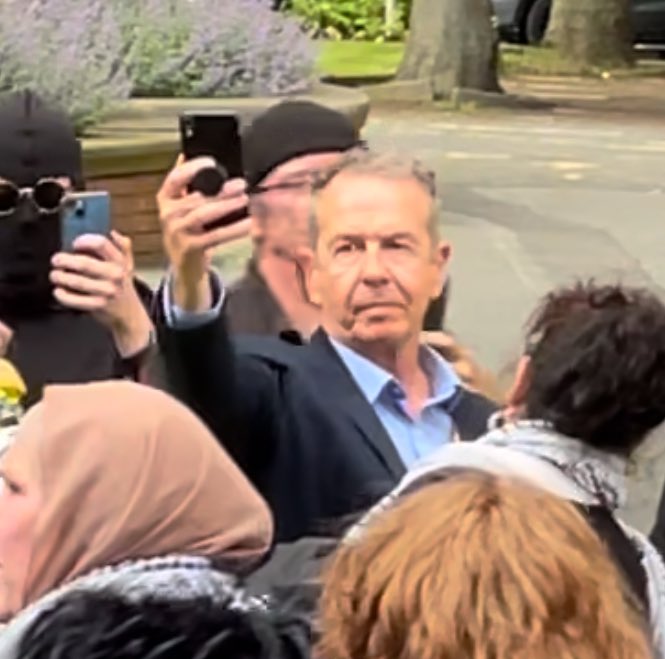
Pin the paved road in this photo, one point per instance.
(531, 202)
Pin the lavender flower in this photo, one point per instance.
(67, 51)
(87, 54)
(154, 31)
(218, 48)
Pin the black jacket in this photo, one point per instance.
(295, 420)
(62, 346)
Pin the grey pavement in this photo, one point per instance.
(530, 202)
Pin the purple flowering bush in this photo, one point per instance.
(216, 48)
(66, 50)
(86, 55)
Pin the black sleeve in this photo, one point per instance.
(293, 576)
(146, 295)
(234, 394)
(133, 367)
(471, 413)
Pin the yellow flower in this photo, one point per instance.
(12, 386)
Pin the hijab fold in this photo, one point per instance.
(124, 472)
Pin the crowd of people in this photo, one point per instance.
(306, 462)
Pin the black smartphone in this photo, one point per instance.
(217, 135)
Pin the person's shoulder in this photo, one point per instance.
(246, 286)
(472, 412)
(287, 348)
(292, 577)
(469, 396)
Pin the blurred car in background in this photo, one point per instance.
(525, 21)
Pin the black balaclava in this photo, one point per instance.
(36, 142)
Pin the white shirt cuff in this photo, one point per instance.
(177, 318)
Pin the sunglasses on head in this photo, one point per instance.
(48, 195)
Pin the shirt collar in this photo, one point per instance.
(372, 379)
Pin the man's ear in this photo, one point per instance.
(256, 229)
(306, 261)
(441, 259)
(516, 398)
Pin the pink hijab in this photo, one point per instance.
(125, 472)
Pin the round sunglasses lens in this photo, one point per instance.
(9, 196)
(48, 195)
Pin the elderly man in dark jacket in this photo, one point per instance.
(325, 428)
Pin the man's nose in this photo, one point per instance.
(374, 270)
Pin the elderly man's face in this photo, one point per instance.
(282, 222)
(376, 267)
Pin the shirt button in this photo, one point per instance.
(396, 391)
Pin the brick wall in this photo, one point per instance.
(134, 211)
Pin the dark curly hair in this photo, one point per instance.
(103, 625)
(598, 364)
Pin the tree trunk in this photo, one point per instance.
(452, 43)
(595, 33)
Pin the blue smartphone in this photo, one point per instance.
(85, 212)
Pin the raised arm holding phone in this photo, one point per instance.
(188, 239)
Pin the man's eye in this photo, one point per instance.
(345, 248)
(9, 486)
(397, 245)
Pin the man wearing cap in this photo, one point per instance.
(282, 150)
(73, 317)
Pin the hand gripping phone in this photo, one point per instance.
(85, 212)
(217, 135)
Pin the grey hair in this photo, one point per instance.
(383, 165)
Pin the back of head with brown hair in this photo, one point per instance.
(478, 567)
(596, 364)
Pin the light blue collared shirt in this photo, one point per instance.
(414, 438)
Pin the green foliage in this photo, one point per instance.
(359, 59)
(406, 11)
(351, 19)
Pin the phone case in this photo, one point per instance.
(86, 213)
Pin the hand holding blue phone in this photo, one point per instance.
(85, 213)
(97, 276)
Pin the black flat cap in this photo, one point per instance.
(292, 129)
